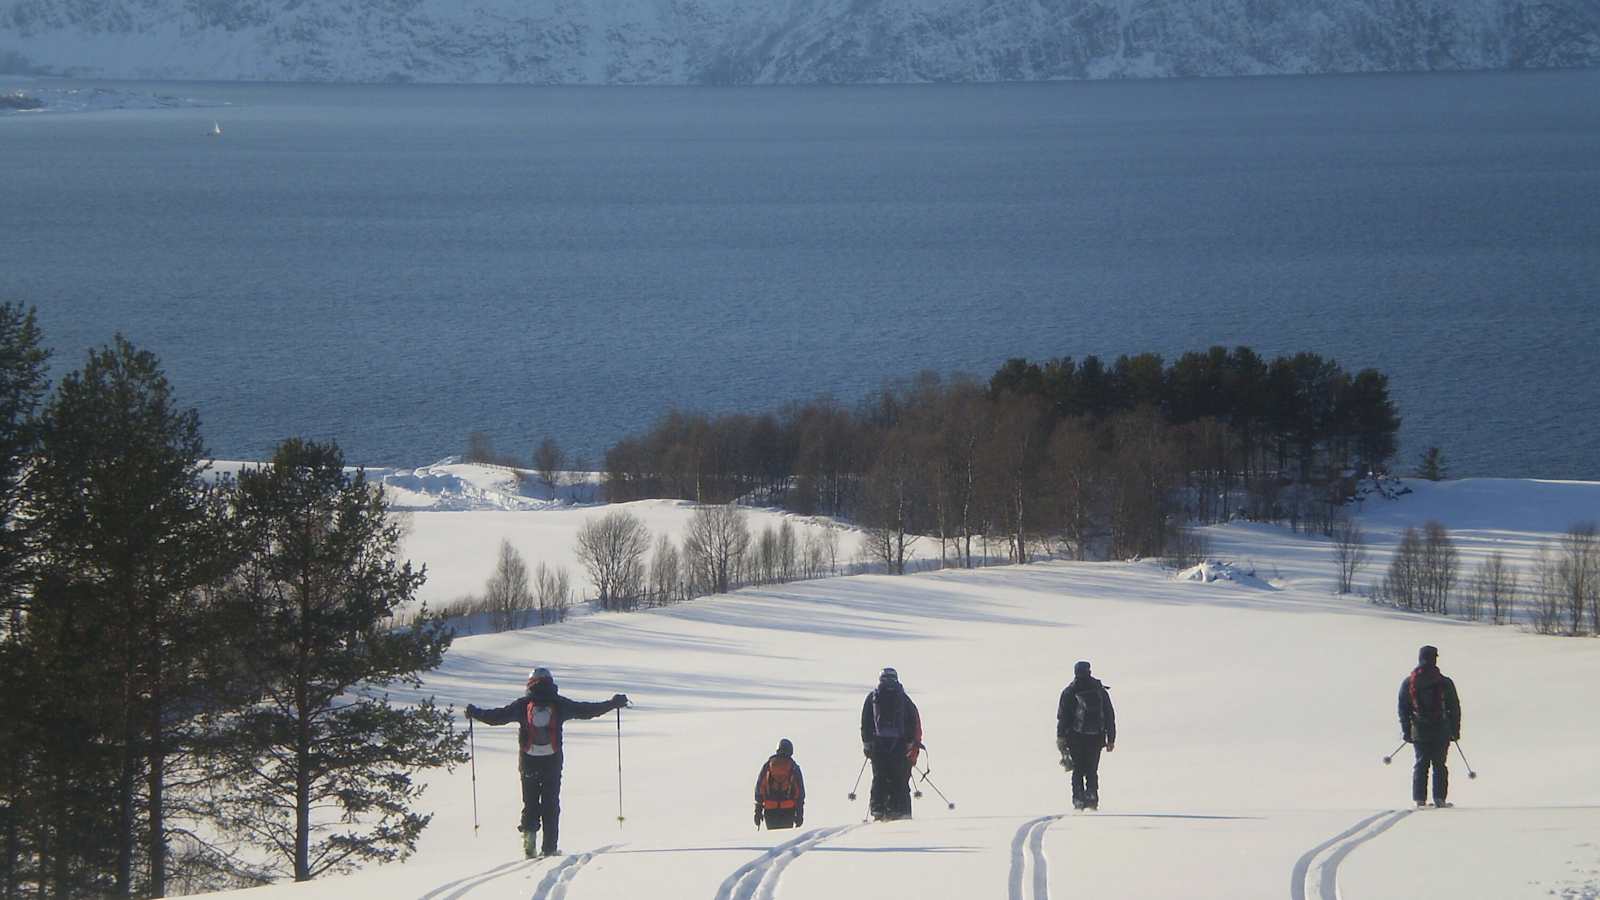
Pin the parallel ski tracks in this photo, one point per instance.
(457, 889)
(1320, 864)
(555, 882)
(1027, 857)
(758, 879)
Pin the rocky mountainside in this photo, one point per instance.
(783, 41)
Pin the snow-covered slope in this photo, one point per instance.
(785, 41)
(1252, 714)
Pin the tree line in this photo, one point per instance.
(1072, 456)
(195, 666)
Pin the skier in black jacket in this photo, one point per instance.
(1430, 718)
(1085, 723)
(891, 735)
(539, 716)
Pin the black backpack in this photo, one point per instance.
(1089, 711)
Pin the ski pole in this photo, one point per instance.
(1390, 758)
(472, 745)
(1470, 773)
(857, 785)
(619, 766)
(936, 790)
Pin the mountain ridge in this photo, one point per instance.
(787, 42)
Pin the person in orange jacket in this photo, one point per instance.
(781, 790)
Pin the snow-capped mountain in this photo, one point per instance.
(782, 41)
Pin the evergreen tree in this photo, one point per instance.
(129, 533)
(22, 387)
(323, 762)
(1432, 466)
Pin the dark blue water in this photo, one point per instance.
(395, 266)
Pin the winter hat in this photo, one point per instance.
(1428, 655)
(889, 674)
(1081, 670)
(785, 748)
(539, 673)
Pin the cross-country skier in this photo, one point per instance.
(891, 735)
(1430, 718)
(539, 715)
(1085, 723)
(781, 790)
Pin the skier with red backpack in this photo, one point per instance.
(781, 790)
(1430, 719)
(891, 735)
(539, 716)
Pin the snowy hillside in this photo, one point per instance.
(793, 41)
(1252, 713)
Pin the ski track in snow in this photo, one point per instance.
(1028, 844)
(554, 884)
(454, 890)
(758, 878)
(1341, 845)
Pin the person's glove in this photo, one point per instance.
(758, 815)
(1405, 736)
(1456, 736)
(1061, 746)
(1111, 745)
(618, 701)
(799, 816)
(866, 750)
(472, 711)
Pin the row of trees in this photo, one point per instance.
(1561, 594)
(1082, 458)
(194, 665)
(719, 553)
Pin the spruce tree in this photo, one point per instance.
(323, 763)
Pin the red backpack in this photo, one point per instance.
(780, 789)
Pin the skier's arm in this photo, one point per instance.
(1111, 719)
(577, 709)
(1404, 708)
(915, 723)
(508, 713)
(799, 786)
(761, 783)
(1452, 706)
(1062, 717)
(866, 721)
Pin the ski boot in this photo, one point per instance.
(1091, 802)
(530, 845)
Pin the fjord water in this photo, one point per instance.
(396, 266)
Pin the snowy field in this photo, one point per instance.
(1252, 717)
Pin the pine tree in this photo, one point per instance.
(324, 761)
(129, 533)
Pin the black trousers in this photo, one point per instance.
(1431, 753)
(1086, 764)
(541, 798)
(779, 818)
(891, 785)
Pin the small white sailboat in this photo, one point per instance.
(216, 130)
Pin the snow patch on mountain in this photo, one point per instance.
(789, 41)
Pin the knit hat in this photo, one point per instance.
(1428, 655)
(1081, 670)
(539, 673)
(889, 674)
(785, 748)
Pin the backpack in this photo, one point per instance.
(888, 714)
(781, 789)
(1427, 696)
(1088, 714)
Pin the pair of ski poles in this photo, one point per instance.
(472, 745)
(923, 774)
(1462, 753)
